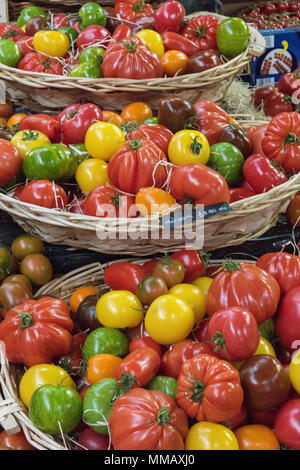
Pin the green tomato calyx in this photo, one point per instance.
(219, 341)
(30, 135)
(26, 320)
(292, 138)
(197, 389)
(230, 265)
(200, 32)
(163, 416)
(196, 146)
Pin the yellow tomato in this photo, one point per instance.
(210, 436)
(188, 146)
(51, 43)
(193, 296)
(27, 140)
(91, 173)
(153, 41)
(203, 283)
(42, 374)
(294, 371)
(119, 309)
(103, 140)
(265, 347)
(169, 319)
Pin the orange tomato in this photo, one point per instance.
(174, 62)
(16, 119)
(256, 437)
(102, 366)
(137, 111)
(154, 201)
(80, 294)
(110, 116)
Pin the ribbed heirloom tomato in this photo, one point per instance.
(158, 133)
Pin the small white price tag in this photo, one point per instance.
(3, 11)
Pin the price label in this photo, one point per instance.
(3, 11)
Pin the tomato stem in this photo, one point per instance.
(29, 135)
(200, 31)
(196, 146)
(26, 320)
(292, 138)
(127, 380)
(219, 341)
(135, 144)
(205, 257)
(198, 390)
(138, 7)
(163, 416)
(130, 46)
(230, 265)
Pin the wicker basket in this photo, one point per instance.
(250, 218)
(13, 414)
(54, 92)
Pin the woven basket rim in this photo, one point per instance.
(192, 79)
(12, 408)
(237, 206)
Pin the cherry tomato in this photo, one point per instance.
(150, 288)
(91, 173)
(103, 140)
(193, 296)
(80, 294)
(188, 146)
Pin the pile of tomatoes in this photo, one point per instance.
(285, 96)
(174, 354)
(130, 41)
(139, 164)
(272, 15)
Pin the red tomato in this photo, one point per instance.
(209, 389)
(285, 268)
(122, 32)
(48, 125)
(206, 106)
(76, 119)
(289, 82)
(168, 16)
(93, 35)
(91, 440)
(202, 30)
(277, 103)
(11, 31)
(44, 193)
(144, 342)
(131, 59)
(59, 21)
(135, 166)
(288, 320)
(147, 420)
(15, 441)
(262, 174)
(123, 275)
(38, 334)
(193, 263)
(138, 368)
(176, 42)
(237, 194)
(211, 125)
(244, 285)
(293, 211)
(198, 183)
(282, 141)
(105, 201)
(233, 334)
(149, 266)
(10, 161)
(173, 359)
(26, 44)
(261, 94)
(200, 333)
(158, 133)
(133, 9)
(287, 424)
(256, 136)
(35, 62)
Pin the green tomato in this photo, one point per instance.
(6, 263)
(55, 408)
(70, 32)
(80, 152)
(92, 54)
(97, 404)
(54, 162)
(232, 37)
(86, 70)
(91, 13)
(10, 53)
(27, 13)
(167, 385)
(227, 160)
(105, 341)
(152, 120)
(267, 330)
